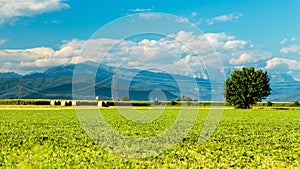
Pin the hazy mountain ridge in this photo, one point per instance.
(10, 75)
(56, 83)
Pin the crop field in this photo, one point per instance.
(53, 138)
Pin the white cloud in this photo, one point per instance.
(250, 57)
(180, 53)
(141, 10)
(57, 22)
(194, 14)
(282, 64)
(283, 41)
(2, 41)
(293, 39)
(286, 40)
(18, 8)
(31, 54)
(182, 19)
(235, 44)
(223, 18)
(244, 58)
(148, 16)
(19, 60)
(295, 48)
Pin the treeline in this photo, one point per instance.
(278, 104)
(24, 102)
(112, 103)
(146, 103)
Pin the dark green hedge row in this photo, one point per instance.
(145, 103)
(278, 104)
(117, 103)
(24, 102)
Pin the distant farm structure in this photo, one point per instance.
(64, 103)
(78, 103)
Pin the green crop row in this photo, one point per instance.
(243, 139)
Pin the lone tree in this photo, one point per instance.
(246, 87)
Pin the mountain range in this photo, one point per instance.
(57, 82)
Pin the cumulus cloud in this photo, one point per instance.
(223, 18)
(235, 44)
(187, 51)
(180, 53)
(250, 57)
(16, 60)
(244, 58)
(282, 64)
(295, 49)
(18, 8)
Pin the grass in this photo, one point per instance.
(52, 137)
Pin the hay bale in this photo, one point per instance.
(68, 103)
(52, 103)
(57, 103)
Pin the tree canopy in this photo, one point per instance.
(246, 87)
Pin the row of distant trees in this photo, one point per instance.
(242, 89)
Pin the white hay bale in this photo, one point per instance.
(52, 103)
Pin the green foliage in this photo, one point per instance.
(173, 103)
(178, 99)
(24, 102)
(277, 104)
(296, 104)
(53, 138)
(246, 87)
(269, 103)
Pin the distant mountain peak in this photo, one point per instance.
(281, 77)
(10, 75)
(56, 82)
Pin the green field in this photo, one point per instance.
(53, 138)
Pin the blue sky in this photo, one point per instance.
(264, 34)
